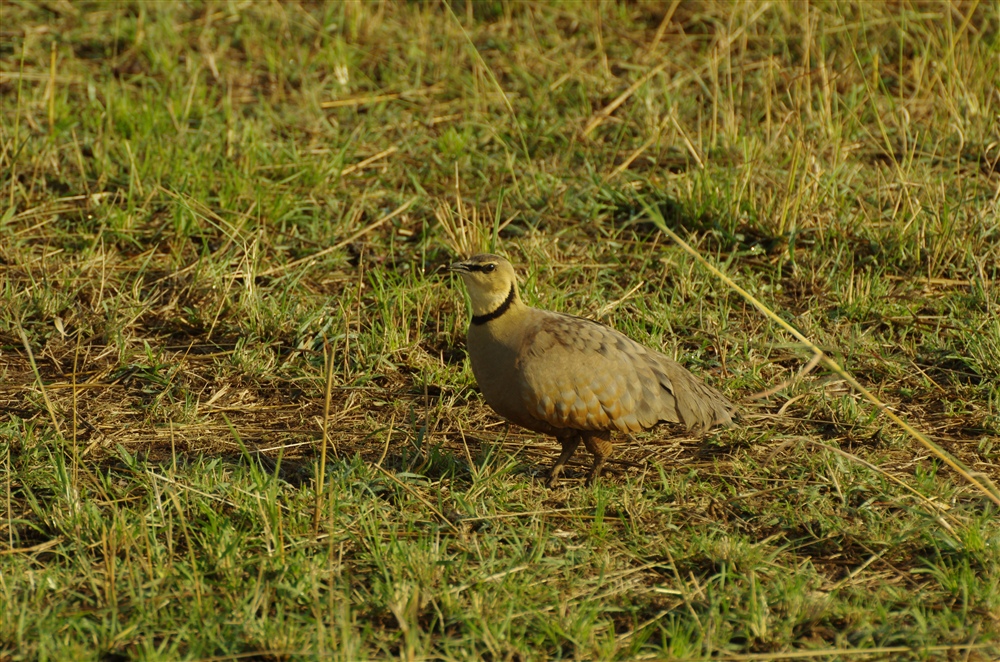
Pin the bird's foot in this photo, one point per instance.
(594, 473)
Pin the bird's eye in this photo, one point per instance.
(489, 268)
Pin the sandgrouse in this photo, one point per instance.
(570, 377)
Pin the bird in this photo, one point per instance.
(571, 377)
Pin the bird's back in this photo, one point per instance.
(573, 373)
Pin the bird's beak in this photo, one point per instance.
(461, 267)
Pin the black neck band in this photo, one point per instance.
(501, 309)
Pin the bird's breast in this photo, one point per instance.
(495, 365)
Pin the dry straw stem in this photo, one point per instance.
(954, 463)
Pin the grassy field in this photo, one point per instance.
(223, 232)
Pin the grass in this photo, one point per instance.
(204, 206)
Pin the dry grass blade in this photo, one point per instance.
(496, 83)
(637, 152)
(34, 549)
(491, 578)
(937, 507)
(661, 30)
(803, 371)
(419, 497)
(328, 354)
(467, 234)
(365, 100)
(361, 165)
(340, 244)
(188, 488)
(605, 112)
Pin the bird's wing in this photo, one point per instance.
(576, 373)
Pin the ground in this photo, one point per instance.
(237, 419)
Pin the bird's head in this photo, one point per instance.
(491, 282)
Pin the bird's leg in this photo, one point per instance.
(598, 443)
(569, 445)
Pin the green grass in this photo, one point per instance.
(205, 201)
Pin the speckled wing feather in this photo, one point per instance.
(576, 373)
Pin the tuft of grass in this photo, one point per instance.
(222, 237)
